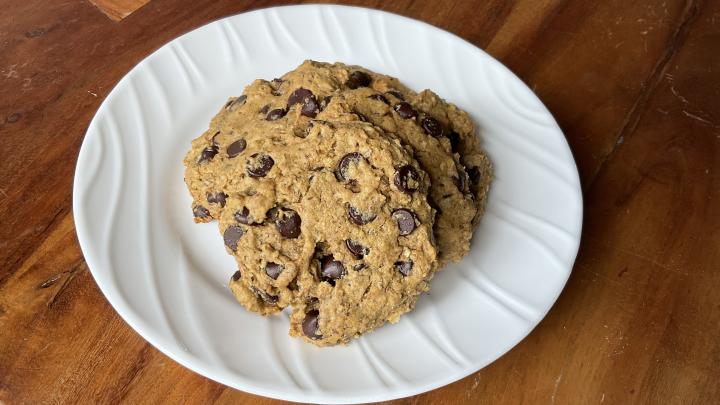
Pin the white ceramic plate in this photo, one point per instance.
(167, 276)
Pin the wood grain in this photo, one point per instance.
(634, 85)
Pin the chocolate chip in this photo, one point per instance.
(298, 96)
(405, 221)
(474, 174)
(454, 138)
(236, 276)
(356, 249)
(233, 104)
(243, 217)
(407, 179)
(276, 114)
(359, 218)
(379, 97)
(217, 198)
(432, 126)
(214, 139)
(265, 109)
(208, 154)
(236, 148)
(269, 299)
(200, 212)
(359, 266)
(358, 79)
(287, 223)
(231, 236)
(310, 324)
(341, 172)
(331, 269)
(324, 102)
(310, 107)
(276, 93)
(273, 270)
(259, 165)
(459, 181)
(405, 110)
(404, 267)
(395, 94)
(276, 82)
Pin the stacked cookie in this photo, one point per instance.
(340, 193)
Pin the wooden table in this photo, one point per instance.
(635, 85)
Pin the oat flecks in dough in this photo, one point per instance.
(340, 192)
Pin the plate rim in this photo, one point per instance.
(138, 325)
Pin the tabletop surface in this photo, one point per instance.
(635, 86)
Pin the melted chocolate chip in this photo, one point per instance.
(454, 139)
(208, 154)
(432, 126)
(298, 96)
(276, 114)
(358, 250)
(358, 79)
(231, 236)
(287, 223)
(331, 269)
(234, 104)
(341, 174)
(358, 217)
(404, 267)
(217, 198)
(405, 221)
(395, 94)
(236, 276)
(243, 217)
(259, 165)
(379, 97)
(236, 148)
(405, 110)
(474, 174)
(310, 107)
(273, 270)
(407, 179)
(310, 324)
(201, 212)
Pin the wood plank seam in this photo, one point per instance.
(677, 39)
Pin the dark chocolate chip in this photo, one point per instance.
(454, 138)
(273, 270)
(405, 110)
(269, 299)
(310, 107)
(379, 97)
(358, 79)
(324, 102)
(276, 81)
(459, 181)
(358, 217)
(217, 198)
(405, 221)
(233, 104)
(359, 266)
(356, 249)
(200, 212)
(208, 154)
(395, 94)
(236, 148)
(404, 267)
(236, 276)
(231, 236)
(298, 96)
(288, 223)
(310, 324)
(276, 114)
(243, 217)
(341, 172)
(432, 126)
(331, 269)
(474, 174)
(407, 179)
(265, 109)
(259, 165)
